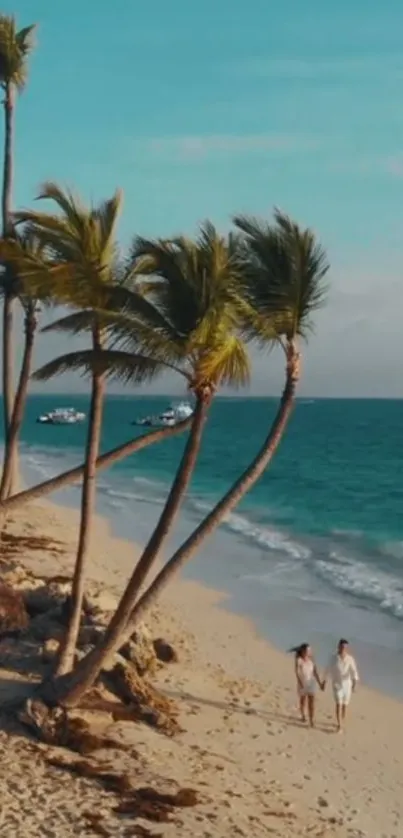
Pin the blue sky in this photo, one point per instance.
(206, 109)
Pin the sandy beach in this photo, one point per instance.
(257, 769)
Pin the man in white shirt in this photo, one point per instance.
(342, 670)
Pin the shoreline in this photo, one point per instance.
(282, 592)
(283, 612)
(238, 697)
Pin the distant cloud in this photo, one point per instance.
(387, 164)
(194, 148)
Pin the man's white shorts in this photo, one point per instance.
(342, 693)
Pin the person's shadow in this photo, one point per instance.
(233, 707)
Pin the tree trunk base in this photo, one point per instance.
(44, 715)
(57, 727)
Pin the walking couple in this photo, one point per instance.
(342, 672)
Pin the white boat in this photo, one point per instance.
(61, 416)
(176, 413)
(168, 418)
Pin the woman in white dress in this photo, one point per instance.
(308, 680)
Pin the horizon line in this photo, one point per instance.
(222, 396)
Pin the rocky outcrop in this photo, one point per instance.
(13, 614)
(99, 605)
(46, 596)
(42, 605)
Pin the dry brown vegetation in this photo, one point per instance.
(121, 694)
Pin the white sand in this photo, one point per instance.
(259, 771)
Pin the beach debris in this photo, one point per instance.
(145, 702)
(93, 821)
(142, 832)
(153, 805)
(164, 651)
(145, 802)
(12, 544)
(13, 614)
(112, 781)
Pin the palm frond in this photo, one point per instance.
(174, 262)
(114, 364)
(31, 272)
(197, 286)
(54, 232)
(283, 276)
(227, 363)
(196, 278)
(107, 215)
(75, 323)
(80, 237)
(129, 302)
(308, 267)
(70, 205)
(15, 47)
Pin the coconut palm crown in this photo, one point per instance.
(80, 270)
(15, 47)
(284, 275)
(194, 288)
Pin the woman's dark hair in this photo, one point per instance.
(300, 650)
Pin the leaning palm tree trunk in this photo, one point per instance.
(161, 532)
(89, 668)
(8, 302)
(88, 498)
(11, 449)
(115, 455)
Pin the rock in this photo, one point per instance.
(18, 578)
(139, 650)
(47, 596)
(100, 604)
(164, 651)
(89, 635)
(13, 614)
(48, 625)
(82, 653)
(50, 649)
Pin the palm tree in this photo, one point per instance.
(115, 455)
(15, 47)
(37, 276)
(82, 244)
(194, 285)
(283, 279)
(22, 248)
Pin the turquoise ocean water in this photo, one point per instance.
(315, 550)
